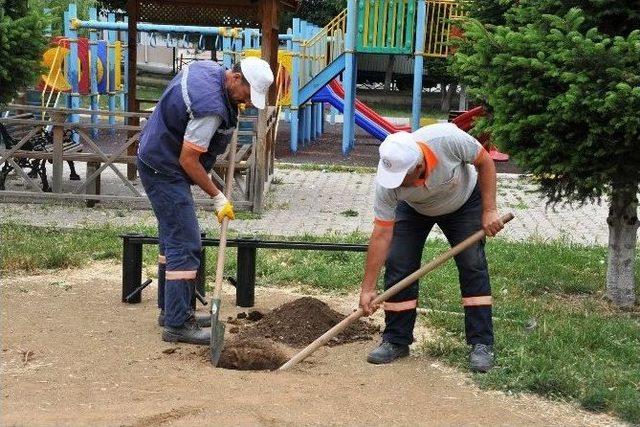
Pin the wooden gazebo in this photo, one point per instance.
(262, 14)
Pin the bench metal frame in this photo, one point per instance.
(245, 280)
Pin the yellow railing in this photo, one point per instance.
(325, 46)
(440, 14)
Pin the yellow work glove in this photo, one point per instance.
(223, 207)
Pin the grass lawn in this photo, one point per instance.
(144, 92)
(405, 111)
(581, 350)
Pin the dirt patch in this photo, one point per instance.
(298, 323)
(251, 355)
(79, 357)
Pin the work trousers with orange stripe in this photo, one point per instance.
(409, 236)
(180, 241)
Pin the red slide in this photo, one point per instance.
(465, 122)
(337, 87)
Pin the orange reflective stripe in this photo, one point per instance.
(177, 275)
(429, 157)
(194, 147)
(475, 301)
(383, 223)
(401, 306)
(480, 154)
(162, 259)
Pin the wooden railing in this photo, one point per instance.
(99, 157)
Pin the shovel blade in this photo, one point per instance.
(217, 333)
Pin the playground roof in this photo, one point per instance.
(223, 13)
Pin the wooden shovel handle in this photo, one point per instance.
(404, 283)
(228, 188)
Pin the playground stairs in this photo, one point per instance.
(384, 27)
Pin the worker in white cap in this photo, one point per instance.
(437, 175)
(191, 124)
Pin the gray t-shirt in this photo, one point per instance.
(199, 132)
(450, 153)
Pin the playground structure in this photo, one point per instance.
(312, 58)
(310, 61)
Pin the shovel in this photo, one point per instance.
(217, 327)
(404, 283)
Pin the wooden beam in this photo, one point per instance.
(132, 46)
(270, 9)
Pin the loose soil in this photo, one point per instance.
(256, 354)
(73, 354)
(298, 323)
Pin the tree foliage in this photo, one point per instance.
(564, 96)
(21, 47)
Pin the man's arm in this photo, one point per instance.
(379, 245)
(491, 222)
(190, 162)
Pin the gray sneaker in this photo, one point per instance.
(189, 333)
(481, 358)
(387, 352)
(204, 320)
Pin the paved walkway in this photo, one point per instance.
(317, 203)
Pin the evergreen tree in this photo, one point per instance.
(563, 89)
(21, 47)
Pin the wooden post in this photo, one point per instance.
(58, 162)
(270, 41)
(269, 54)
(94, 186)
(132, 47)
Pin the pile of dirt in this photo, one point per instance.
(298, 323)
(251, 355)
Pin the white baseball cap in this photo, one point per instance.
(399, 153)
(259, 75)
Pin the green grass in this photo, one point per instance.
(582, 350)
(144, 92)
(387, 110)
(326, 168)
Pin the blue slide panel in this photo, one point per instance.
(329, 96)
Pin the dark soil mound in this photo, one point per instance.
(251, 355)
(300, 322)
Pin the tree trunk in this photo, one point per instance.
(388, 75)
(448, 96)
(462, 101)
(623, 225)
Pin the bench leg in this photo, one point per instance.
(73, 176)
(42, 172)
(6, 168)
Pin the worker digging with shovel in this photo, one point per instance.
(436, 175)
(192, 124)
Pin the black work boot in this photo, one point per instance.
(189, 333)
(204, 320)
(481, 358)
(387, 352)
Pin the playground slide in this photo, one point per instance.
(465, 122)
(389, 127)
(379, 127)
(328, 95)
